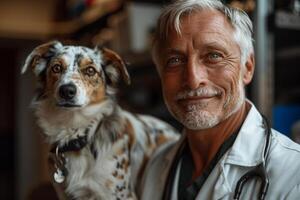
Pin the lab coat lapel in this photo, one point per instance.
(216, 185)
(248, 148)
(222, 188)
(168, 160)
(246, 152)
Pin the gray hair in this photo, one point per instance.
(171, 15)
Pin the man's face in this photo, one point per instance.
(201, 72)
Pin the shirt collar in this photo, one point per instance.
(247, 149)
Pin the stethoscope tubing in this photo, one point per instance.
(259, 171)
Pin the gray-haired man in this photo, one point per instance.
(204, 55)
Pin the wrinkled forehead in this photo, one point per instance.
(77, 55)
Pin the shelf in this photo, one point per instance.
(286, 20)
(87, 17)
(23, 27)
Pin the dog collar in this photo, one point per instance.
(73, 145)
(60, 164)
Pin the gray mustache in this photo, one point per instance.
(200, 92)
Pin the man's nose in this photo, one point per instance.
(196, 75)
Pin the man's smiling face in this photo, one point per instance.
(201, 72)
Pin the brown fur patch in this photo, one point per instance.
(51, 81)
(126, 165)
(160, 139)
(115, 173)
(113, 58)
(121, 151)
(95, 87)
(109, 184)
(84, 62)
(130, 131)
(120, 176)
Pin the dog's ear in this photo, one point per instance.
(37, 59)
(114, 66)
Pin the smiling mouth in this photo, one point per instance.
(196, 98)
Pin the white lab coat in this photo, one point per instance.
(283, 166)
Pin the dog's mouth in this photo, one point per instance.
(68, 105)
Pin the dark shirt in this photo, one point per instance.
(188, 190)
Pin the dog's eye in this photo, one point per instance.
(57, 68)
(90, 71)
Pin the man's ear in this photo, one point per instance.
(249, 69)
(114, 66)
(37, 59)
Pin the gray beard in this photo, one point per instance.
(197, 118)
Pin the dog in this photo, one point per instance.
(100, 149)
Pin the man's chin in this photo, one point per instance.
(198, 120)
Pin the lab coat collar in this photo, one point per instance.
(247, 149)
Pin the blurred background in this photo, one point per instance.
(126, 27)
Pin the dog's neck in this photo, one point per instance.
(65, 125)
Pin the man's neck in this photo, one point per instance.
(204, 144)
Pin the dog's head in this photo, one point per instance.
(74, 76)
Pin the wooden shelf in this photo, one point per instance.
(87, 17)
(45, 28)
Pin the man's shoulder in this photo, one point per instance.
(284, 158)
(285, 144)
(283, 165)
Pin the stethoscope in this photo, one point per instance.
(259, 171)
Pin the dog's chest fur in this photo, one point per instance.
(109, 165)
(100, 171)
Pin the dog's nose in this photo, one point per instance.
(67, 91)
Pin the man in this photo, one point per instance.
(204, 55)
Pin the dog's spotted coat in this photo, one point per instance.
(118, 143)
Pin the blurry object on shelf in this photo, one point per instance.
(43, 20)
(76, 8)
(289, 52)
(284, 116)
(296, 7)
(92, 13)
(296, 131)
(286, 20)
(290, 6)
(287, 111)
(116, 34)
(246, 5)
(142, 19)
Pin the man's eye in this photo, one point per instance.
(90, 71)
(175, 61)
(214, 56)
